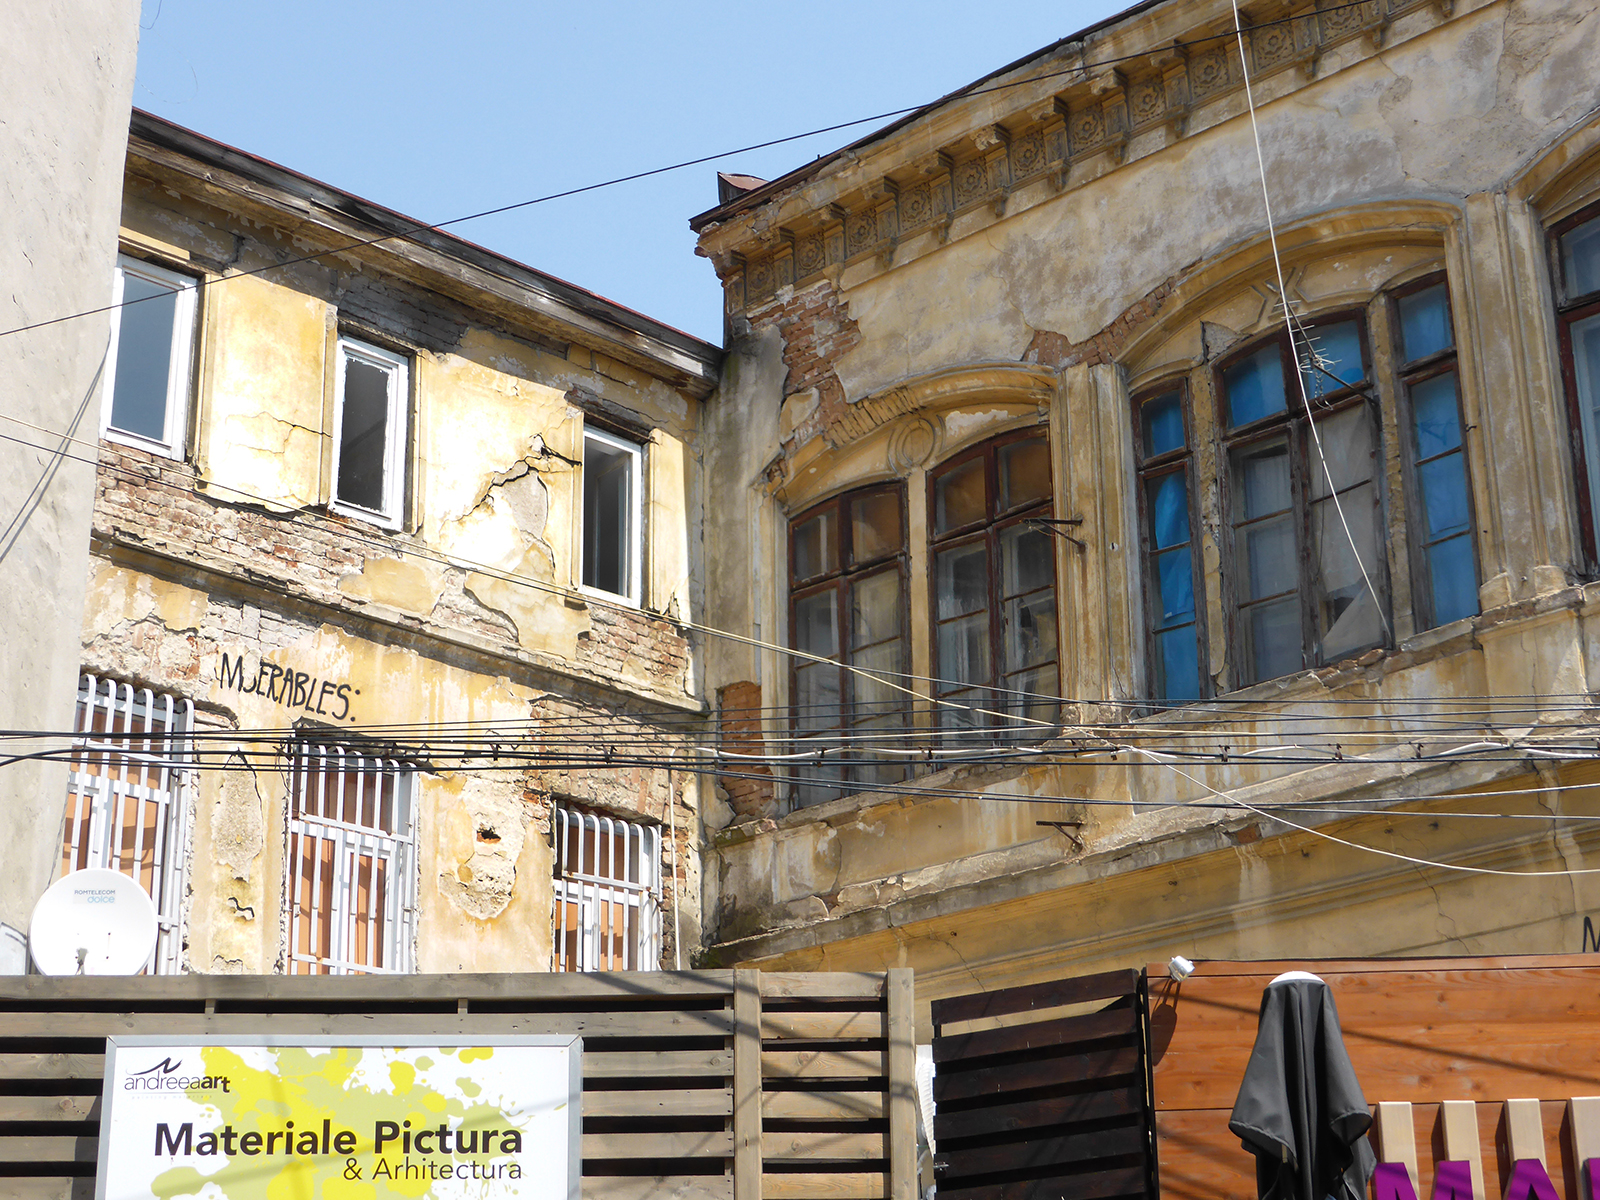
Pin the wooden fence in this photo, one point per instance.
(1037, 1099)
(1472, 1060)
(710, 1085)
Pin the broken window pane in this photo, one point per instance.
(960, 497)
(1425, 323)
(875, 527)
(1330, 358)
(1348, 573)
(611, 473)
(1347, 441)
(1024, 473)
(1254, 386)
(816, 546)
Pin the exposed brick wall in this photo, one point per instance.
(1057, 350)
(739, 730)
(817, 332)
(149, 501)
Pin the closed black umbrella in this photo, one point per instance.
(1300, 1109)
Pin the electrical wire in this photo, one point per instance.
(1081, 68)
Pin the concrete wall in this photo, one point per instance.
(1032, 257)
(66, 82)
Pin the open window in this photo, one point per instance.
(369, 434)
(613, 524)
(351, 865)
(1575, 246)
(847, 609)
(150, 361)
(994, 581)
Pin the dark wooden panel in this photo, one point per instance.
(1091, 1185)
(1064, 1031)
(1076, 1068)
(1065, 1150)
(1055, 994)
(1038, 1114)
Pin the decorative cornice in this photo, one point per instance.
(1081, 132)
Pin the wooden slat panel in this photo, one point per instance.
(347, 992)
(1037, 1114)
(718, 1144)
(50, 1066)
(781, 1146)
(50, 1108)
(680, 1102)
(53, 1187)
(1061, 1032)
(1412, 1035)
(1055, 994)
(822, 1025)
(955, 1165)
(441, 1025)
(831, 985)
(822, 1106)
(1091, 1185)
(747, 1086)
(47, 1149)
(650, 1064)
(900, 992)
(1099, 1064)
(1200, 1159)
(821, 1064)
(658, 1187)
(843, 1186)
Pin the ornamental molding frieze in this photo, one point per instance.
(1098, 123)
(911, 419)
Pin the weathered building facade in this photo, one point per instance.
(1077, 562)
(392, 536)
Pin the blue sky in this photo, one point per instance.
(440, 111)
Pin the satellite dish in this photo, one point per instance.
(93, 922)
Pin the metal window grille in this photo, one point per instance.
(352, 887)
(128, 798)
(607, 893)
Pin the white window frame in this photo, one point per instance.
(634, 548)
(107, 793)
(397, 437)
(180, 367)
(350, 842)
(593, 897)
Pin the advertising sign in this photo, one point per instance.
(292, 1118)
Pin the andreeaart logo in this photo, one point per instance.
(164, 1077)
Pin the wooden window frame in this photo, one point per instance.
(1292, 424)
(1569, 311)
(842, 580)
(990, 528)
(1154, 467)
(1408, 376)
